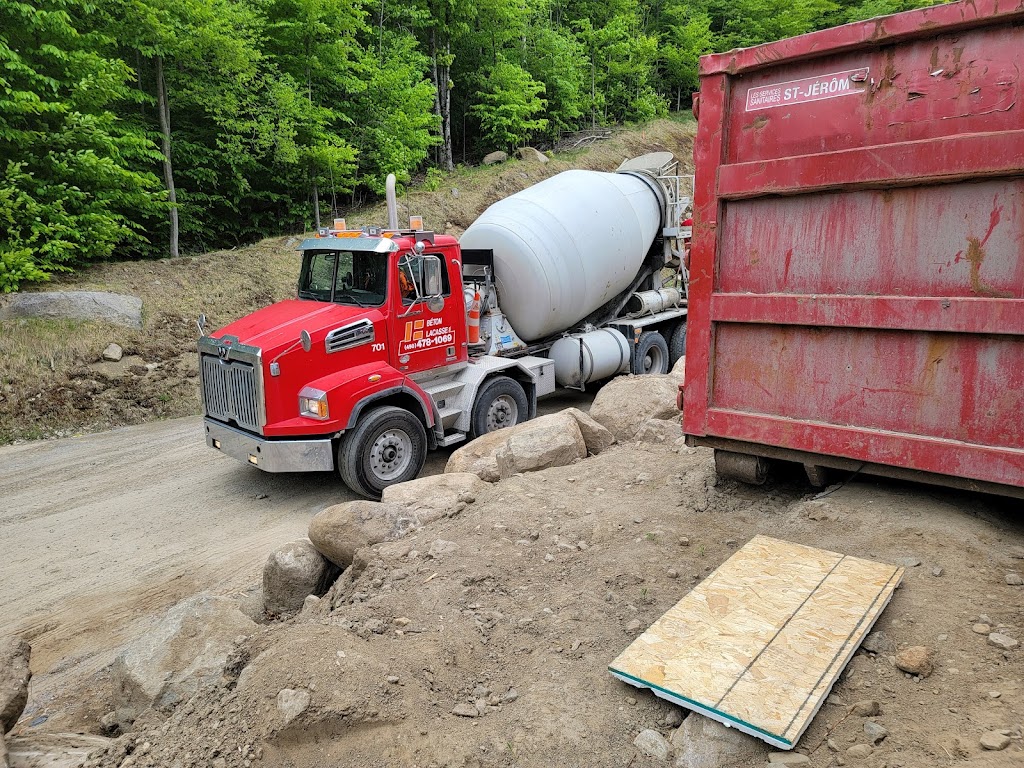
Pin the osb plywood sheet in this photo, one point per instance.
(758, 644)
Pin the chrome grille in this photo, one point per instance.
(230, 391)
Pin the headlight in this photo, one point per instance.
(313, 403)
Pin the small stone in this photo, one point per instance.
(916, 660)
(878, 642)
(994, 740)
(462, 709)
(673, 719)
(788, 758)
(730, 542)
(113, 353)
(292, 703)
(981, 629)
(672, 573)
(937, 571)
(633, 625)
(875, 732)
(402, 621)
(684, 541)
(859, 751)
(549, 558)
(866, 708)
(509, 696)
(999, 640)
(393, 679)
(638, 520)
(653, 743)
(1014, 579)
(311, 602)
(984, 619)
(631, 701)
(908, 562)
(832, 746)
(994, 694)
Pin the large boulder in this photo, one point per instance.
(549, 441)
(75, 305)
(701, 742)
(595, 435)
(338, 532)
(186, 648)
(435, 496)
(15, 654)
(625, 403)
(532, 155)
(495, 157)
(53, 750)
(293, 572)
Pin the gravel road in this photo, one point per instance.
(102, 530)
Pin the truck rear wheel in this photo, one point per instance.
(651, 354)
(387, 446)
(500, 403)
(677, 344)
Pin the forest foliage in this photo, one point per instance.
(138, 127)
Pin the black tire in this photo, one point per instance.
(650, 354)
(677, 344)
(387, 446)
(500, 403)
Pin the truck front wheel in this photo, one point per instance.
(651, 354)
(387, 446)
(500, 403)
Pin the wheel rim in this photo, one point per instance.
(504, 412)
(653, 360)
(391, 454)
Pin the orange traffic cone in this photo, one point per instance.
(474, 319)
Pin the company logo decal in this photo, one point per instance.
(808, 89)
(426, 334)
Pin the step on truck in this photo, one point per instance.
(858, 251)
(402, 340)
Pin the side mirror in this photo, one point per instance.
(435, 304)
(307, 341)
(431, 277)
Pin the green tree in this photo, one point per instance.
(509, 105)
(70, 184)
(686, 36)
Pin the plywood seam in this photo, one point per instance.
(778, 632)
(846, 643)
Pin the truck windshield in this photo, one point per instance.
(344, 277)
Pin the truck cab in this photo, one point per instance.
(364, 371)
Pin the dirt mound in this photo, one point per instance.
(483, 638)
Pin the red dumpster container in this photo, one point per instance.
(857, 271)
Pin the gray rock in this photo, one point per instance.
(311, 602)
(701, 742)
(875, 732)
(463, 709)
(878, 642)
(339, 531)
(509, 696)
(292, 702)
(859, 751)
(435, 496)
(455, 192)
(625, 403)
(293, 572)
(994, 741)
(1014, 579)
(53, 750)
(441, 547)
(659, 431)
(549, 441)
(937, 571)
(495, 157)
(673, 719)
(999, 640)
(15, 655)
(113, 353)
(866, 708)
(117, 722)
(788, 758)
(595, 435)
(74, 305)
(908, 562)
(653, 743)
(186, 648)
(981, 629)
(532, 155)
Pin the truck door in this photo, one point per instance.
(430, 321)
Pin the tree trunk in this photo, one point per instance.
(442, 103)
(316, 202)
(165, 132)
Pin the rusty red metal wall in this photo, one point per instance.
(857, 273)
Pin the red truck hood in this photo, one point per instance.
(277, 327)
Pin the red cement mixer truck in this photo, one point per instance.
(403, 340)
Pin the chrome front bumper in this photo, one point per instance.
(270, 455)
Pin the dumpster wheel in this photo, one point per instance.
(741, 466)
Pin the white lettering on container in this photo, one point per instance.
(808, 89)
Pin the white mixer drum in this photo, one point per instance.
(566, 246)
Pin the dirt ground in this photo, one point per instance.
(532, 593)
